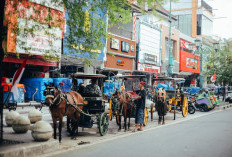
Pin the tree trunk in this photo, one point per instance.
(2, 5)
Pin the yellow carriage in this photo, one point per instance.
(176, 99)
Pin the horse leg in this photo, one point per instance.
(125, 119)
(119, 121)
(129, 116)
(60, 130)
(54, 128)
(163, 120)
(159, 121)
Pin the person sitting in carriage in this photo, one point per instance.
(93, 89)
(140, 106)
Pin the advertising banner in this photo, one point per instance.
(149, 44)
(34, 28)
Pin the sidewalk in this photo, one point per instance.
(29, 148)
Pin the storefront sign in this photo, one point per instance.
(125, 46)
(148, 68)
(150, 59)
(114, 44)
(120, 62)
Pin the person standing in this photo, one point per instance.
(140, 106)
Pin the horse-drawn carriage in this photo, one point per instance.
(121, 102)
(175, 97)
(82, 107)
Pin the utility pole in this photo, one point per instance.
(169, 42)
(2, 6)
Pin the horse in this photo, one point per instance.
(61, 104)
(125, 105)
(160, 104)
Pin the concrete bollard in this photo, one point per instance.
(10, 117)
(42, 131)
(21, 124)
(35, 115)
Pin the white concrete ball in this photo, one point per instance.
(10, 117)
(42, 131)
(35, 115)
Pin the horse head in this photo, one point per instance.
(50, 94)
(161, 95)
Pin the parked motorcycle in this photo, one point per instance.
(191, 106)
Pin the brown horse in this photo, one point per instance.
(62, 104)
(160, 105)
(124, 108)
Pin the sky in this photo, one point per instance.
(223, 26)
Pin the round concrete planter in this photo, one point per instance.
(10, 117)
(21, 124)
(41, 131)
(35, 116)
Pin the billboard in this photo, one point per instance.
(34, 28)
(149, 44)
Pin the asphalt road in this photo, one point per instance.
(208, 136)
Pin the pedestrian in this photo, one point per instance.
(140, 106)
(223, 92)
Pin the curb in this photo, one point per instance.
(29, 149)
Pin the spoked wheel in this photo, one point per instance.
(103, 124)
(72, 127)
(110, 110)
(185, 107)
(145, 116)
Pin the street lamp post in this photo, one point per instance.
(170, 69)
(198, 45)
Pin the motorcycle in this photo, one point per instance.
(191, 106)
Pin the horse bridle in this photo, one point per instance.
(51, 95)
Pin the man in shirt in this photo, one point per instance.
(140, 106)
(93, 89)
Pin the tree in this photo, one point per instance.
(220, 62)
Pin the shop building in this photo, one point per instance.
(121, 47)
(174, 60)
(189, 62)
(120, 54)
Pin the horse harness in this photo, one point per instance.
(63, 96)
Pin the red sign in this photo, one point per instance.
(189, 62)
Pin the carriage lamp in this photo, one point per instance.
(86, 102)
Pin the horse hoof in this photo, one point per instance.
(74, 138)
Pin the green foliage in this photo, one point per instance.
(220, 63)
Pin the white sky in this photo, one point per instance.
(223, 26)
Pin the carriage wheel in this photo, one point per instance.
(103, 124)
(110, 110)
(72, 127)
(118, 119)
(185, 107)
(145, 116)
